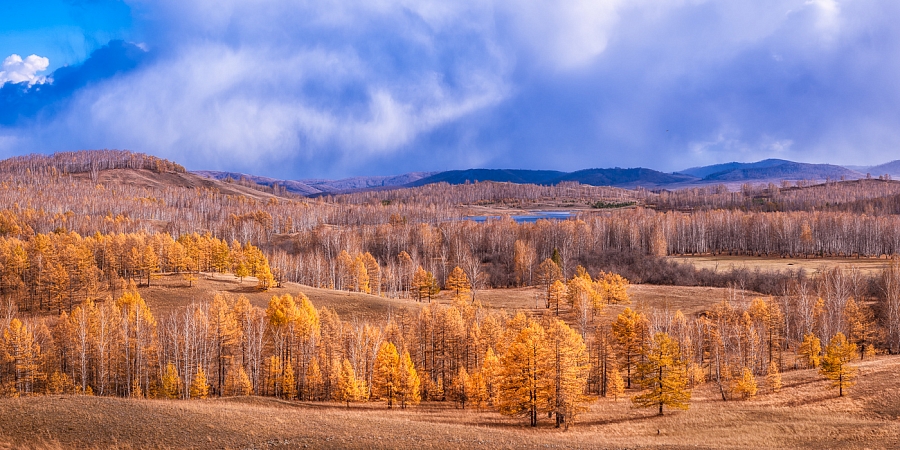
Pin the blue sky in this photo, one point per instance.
(323, 88)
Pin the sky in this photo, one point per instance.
(329, 89)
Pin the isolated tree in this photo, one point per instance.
(385, 381)
(662, 376)
(836, 363)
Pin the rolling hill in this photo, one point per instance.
(891, 168)
(704, 171)
(312, 187)
(770, 169)
(733, 173)
(498, 175)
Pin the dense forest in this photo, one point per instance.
(75, 244)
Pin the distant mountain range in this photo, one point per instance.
(734, 173)
(312, 187)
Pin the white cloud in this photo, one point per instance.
(828, 15)
(17, 70)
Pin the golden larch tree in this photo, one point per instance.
(199, 386)
(385, 378)
(568, 355)
(811, 350)
(409, 390)
(629, 330)
(349, 387)
(662, 375)
(460, 389)
(171, 382)
(556, 295)
(613, 288)
(458, 282)
(773, 377)
(525, 384)
(745, 385)
(836, 363)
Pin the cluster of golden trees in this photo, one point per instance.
(57, 271)
(461, 352)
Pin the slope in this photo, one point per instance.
(785, 171)
(498, 175)
(704, 171)
(624, 177)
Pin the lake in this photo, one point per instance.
(531, 217)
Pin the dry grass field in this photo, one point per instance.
(690, 300)
(803, 415)
(811, 265)
(169, 292)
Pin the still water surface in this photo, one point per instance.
(531, 217)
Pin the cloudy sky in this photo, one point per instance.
(322, 88)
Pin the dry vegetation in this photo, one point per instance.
(724, 263)
(803, 415)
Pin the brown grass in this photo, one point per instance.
(169, 292)
(868, 266)
(805, 414)
(690, 300)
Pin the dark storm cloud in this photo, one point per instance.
(334, 88)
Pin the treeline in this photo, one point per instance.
(86, 162)
(504, 253)
(461, 352)
(867, 196)
(56, 271)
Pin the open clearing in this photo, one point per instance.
(868, 266)
(803, 415)
(689, 299)
(170, 292)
